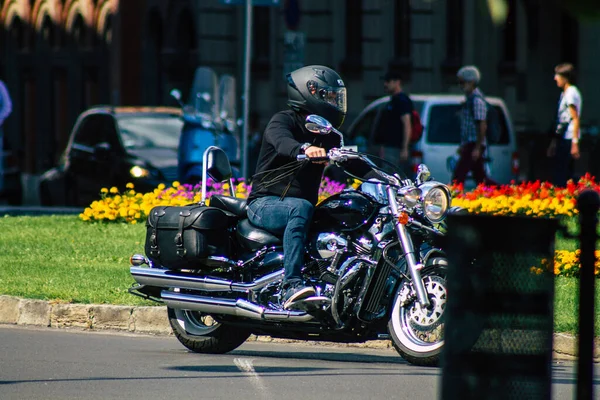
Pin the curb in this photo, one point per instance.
(153, 320)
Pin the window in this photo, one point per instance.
(402, 29)
(454, 33)
(96, 129)
(509, 35)
(261, 43)
(186, 33)
(569, 39)
(364, 125)
(153, 131)
(444, 124)
(79, 32)
(352, 64)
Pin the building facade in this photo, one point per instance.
(59, 57)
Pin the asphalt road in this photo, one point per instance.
(38, 363)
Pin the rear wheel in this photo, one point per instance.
(200, 333)
(417, 333)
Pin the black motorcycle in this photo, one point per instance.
(373, 256)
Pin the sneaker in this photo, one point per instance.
(295, 292)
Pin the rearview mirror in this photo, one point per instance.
(317, 124)
(423, 174)
(176, 94)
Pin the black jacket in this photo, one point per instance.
(284, 136)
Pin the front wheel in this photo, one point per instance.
(200, 333)
(418, 334)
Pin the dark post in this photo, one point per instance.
(588, 204)
(500, 308)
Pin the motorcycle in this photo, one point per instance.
(373, 255)
(209, 120)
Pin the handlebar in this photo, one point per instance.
(302, 157)
(334, 155)
(341, 155)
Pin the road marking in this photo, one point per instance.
(245, 365)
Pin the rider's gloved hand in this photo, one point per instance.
(314, 151)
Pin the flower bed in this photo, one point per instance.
(536, 199)
(132, 207)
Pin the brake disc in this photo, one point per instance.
(427, 319)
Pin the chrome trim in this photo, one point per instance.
(328, 244)
(238, 308)
(409, 253)
(138, 259)
(342, 281)
(172, 279)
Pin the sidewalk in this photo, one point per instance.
(154, 321)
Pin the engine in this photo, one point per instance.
(327, 244)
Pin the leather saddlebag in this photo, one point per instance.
(181, 237)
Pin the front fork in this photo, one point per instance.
(409, 251)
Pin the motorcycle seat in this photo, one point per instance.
(253, 238)
(234, 205)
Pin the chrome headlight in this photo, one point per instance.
(409, 196)
(436, 201)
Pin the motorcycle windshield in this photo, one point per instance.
(363, 170)
(227, 102)
(204, 97)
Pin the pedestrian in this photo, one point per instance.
(390, 138)
(5, 110)
(473, 129)
(283, 197)
(564, 146)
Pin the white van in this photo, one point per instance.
(440, 116)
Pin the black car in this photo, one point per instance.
(112, 146)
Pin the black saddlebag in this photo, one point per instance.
(181, 237)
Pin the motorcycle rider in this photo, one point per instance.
(282, 199)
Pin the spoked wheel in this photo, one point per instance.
(202, 334)
(418, 333)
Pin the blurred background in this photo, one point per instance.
(60, 57)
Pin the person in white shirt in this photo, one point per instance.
(564, 147)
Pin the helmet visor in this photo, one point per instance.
(334, 96)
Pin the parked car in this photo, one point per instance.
(440, 116)
(11, 188)
(112, 146)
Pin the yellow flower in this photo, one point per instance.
(114, 190)
(129, 185)
(104, 190)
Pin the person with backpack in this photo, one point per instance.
(392, 131)
(473, 129)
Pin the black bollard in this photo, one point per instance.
(588, 204)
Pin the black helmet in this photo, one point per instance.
(316, 89)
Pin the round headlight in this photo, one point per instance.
(435, 203)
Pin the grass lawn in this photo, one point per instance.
(61, 258)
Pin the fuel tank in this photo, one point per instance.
(345, 211)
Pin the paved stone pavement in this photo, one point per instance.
(153, 320)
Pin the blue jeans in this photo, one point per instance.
(289, 218)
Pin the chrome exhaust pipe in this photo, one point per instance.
(175, 279)
(238, 308)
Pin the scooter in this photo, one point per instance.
(209, 120)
